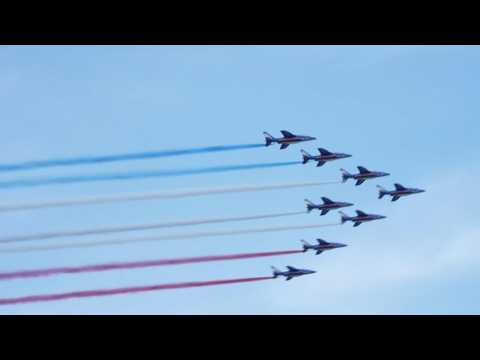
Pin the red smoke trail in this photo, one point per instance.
(129, 290)
(138, 264)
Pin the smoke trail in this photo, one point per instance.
(153, 196)
(137, 175)
(76, 245)
(30, 165)
(139, 264)
(97, 231)
(128, 290)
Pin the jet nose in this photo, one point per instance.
(385, 174)
(312, 138)
(382, 217)
(349, 204)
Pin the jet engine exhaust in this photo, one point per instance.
(87, 244)
(38, 164)
(137, 175)
(118, 229)
(127, 290)
(158, 195)
(139, 264)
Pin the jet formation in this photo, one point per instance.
(363, 174)
(326, 206)
(287, 139)
(399, 191)
(321, 246)
(291, 272)
(323, 157)
(360, 218)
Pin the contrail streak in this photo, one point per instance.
(127, 290)
(97, 231)
(139, 264)
(77, 245)
(137, 175)
(30, 165)
(157, 195)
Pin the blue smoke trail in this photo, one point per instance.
(121, 157)
(137, 175)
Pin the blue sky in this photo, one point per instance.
(408, 110)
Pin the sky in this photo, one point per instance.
(411, 111)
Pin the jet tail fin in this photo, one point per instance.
(381, 192)
(276, 272)
(343, 217)
(268, 138)
(345, 175)
(306, 156)
(310, 205)
(305, 245)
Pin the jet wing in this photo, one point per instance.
(284, 146)
(400, 187)
(324, 211)
(318, 252)
(360, 213)
(322, 242)
(395, 198)
(327, 200)
(324, 151)
(359, 182)
(289, 278)
(287, 134)
(291, 268)
(356, 224)
(320, 163)
(363, 170)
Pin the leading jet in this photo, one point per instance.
(287, 139)
(326, 206)
(321, 246)
(291, 272)
(399, 191)
(360, 218)
(363, 174)
(324, 156)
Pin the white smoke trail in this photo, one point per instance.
(98, 231)
(76, 245)
(155, 195)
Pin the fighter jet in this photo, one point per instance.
(321, 246)
(399, 191)
(364, 174)
(326, 206)
(360, 218)
(287, 139)
(291, 272)
(324, 156)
